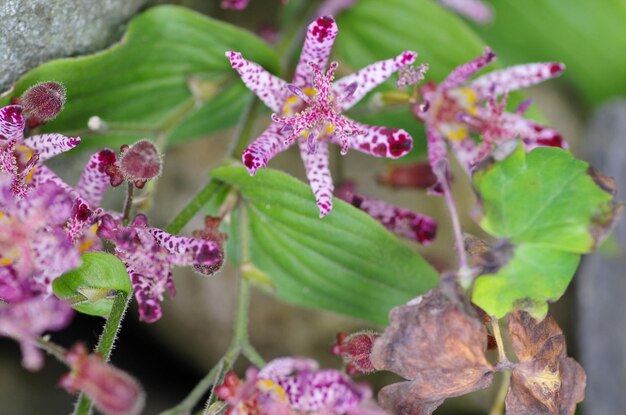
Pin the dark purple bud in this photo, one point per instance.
(355, 350)
(141, 161)
(43, 102)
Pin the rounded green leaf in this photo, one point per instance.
(91, 288)
(551, 208)
(345, 262)
(168, 74)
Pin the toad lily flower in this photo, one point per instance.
(290, 386)
(451, 111)
(19, 155)
(308, 111)
(149, 253)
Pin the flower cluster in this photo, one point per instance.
(309, 110)
(290, 386)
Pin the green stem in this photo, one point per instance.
(52, 349)
(128, 203)
(203, 197)
(498, 405)
(105, 343)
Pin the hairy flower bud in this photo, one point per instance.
(112, 391)
(355, 349)
(43, 102)
(211, 232)
(140, 162)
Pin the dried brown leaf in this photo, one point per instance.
(545, 381)
(437, 346)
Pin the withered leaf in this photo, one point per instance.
(545, 381)
(439, 348)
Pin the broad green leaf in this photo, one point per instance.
(143, 85)
(549, 207)
(345, 262)
(91, 288)
(588, 36)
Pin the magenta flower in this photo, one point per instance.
(308, 111)
(451, 111)
(403, 222)
(112, 391)
(235, 4)
(19, 155)
(287, 386)
(476, 10)
(149, 253)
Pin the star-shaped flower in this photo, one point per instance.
(308, 111)
(455, 108)
(19, 155)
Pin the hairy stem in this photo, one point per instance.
(128, 203)
(51, 348)
(105, 344)
(456, 229)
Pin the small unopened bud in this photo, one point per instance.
(112, 391)
(355, 350)
(211, 232)
(43, 102)
(140, 162)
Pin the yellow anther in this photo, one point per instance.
(5, 261)
(267, 385)
(329, 129)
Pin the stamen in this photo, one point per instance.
(298, 93)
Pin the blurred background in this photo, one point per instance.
(169, 357)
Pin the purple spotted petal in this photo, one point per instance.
(379, 141)
(285, 366)
(476, 10)
(12, 123)
(27, 320)
(515, 77)
(532, 134)
(465, 71)
(370, 77)
(50, 145)
(186, 250)
(94, 181)
(269, 88)
(318, 173)
(264, 148)
(54, 254)
(320, 37)
(403, 222)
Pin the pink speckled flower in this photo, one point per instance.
(308, 111)
(476, 10)
(113, 392)
(403, 222)
(19, 155)
(289, 386)
(149, 253)
(451, 111)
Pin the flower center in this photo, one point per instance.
(316, 113)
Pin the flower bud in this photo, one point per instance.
(140, 162)
(418, 175)
(112, 391)
(43, 102)
(355, 350)
(211, 232)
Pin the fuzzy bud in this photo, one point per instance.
(355, 350)
(112, 391)
(211, 232)
(43, 102)
(140, 162)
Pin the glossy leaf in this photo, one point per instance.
(559, 30)
(551, 209)
(143, 85)
(91, 288)
(345, 262)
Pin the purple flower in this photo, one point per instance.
(149, 253)
(288, 386)
(19, 155)
(308, 111)
(235, 4)
(451, 111)
(476, 10)
(403, 222)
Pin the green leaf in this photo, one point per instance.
(551, 208)
(91, 288)
(557, 30)
(345, 262)
(143, 85)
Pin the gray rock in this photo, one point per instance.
(35, 31)
(602, 279)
